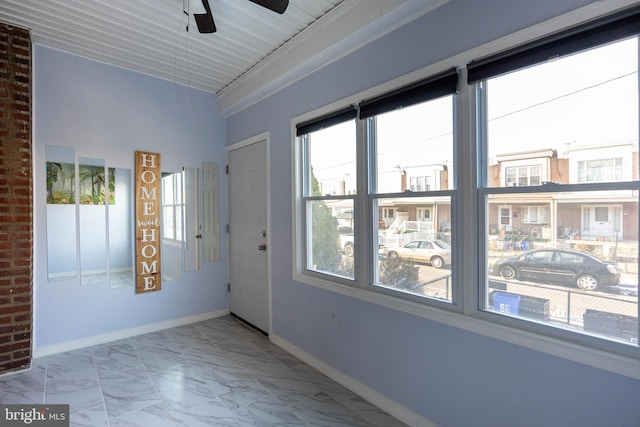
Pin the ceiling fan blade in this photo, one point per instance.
(204, 21)
(278, 6)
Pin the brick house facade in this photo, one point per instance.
(565, 215)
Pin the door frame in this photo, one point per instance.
(256, 139)
(615, 220)
(508, 226)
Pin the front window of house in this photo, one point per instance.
(535, 214)
(600, 170)
(523, 176)
(420, 183)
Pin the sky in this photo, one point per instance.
(583, 99)
(556, 105)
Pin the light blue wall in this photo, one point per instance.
(108, 112)
(450, 376)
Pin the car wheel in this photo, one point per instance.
(437, 262)
(393, 254)
(508, 272)
(587, 282)
(348, 249)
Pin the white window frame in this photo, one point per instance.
(375, 197)
(421, 214)
(479, 93)
(517, 166)
(507, 226)
(468, 317)
(386, 211)
(584, 166)
(519, 175)
(304, 191)
(421, 183)
(617, 150)
(178, 226)
(539, 218)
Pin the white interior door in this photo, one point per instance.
(248, 234)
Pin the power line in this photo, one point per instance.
(563, 96)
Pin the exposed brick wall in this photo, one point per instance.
(16, 219)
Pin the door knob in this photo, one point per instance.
(262, 248)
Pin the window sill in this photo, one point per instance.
(619, 364)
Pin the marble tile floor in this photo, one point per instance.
(217, 372)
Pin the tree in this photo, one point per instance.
(324, 227)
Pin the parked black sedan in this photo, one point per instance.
(560, 266)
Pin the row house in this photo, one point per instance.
(550, 215)
(565, 215)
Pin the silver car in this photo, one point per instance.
(435, 252)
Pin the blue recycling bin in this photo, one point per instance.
(506, 303)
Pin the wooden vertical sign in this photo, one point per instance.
(148, 193)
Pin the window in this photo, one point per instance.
(523, 176)
(535, 214)
(420, 183)
(388, 214)
(540, 256)
(402, 215)
(564, 257)
(601, 214)
(505, 217)
(424, 214)
(172, 207)
(550, 207)
(329, 187)
(589, 96)
(417, 137)
(600, 170)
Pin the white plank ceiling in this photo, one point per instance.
(253, 52)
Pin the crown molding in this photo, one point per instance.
(344, 29)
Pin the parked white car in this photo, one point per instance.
(435, 252)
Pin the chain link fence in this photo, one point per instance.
(611, 315)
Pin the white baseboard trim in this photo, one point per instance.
(49, 350)
(392, 407)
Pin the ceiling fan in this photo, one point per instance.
(204, 18)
